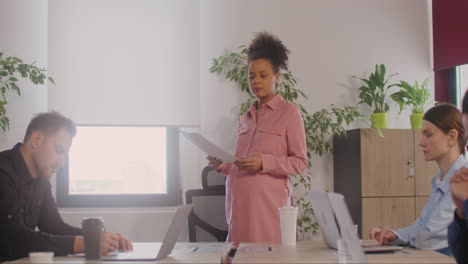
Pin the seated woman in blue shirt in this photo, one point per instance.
(442, 141)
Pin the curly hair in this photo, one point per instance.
(268, 46)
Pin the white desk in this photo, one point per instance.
(182, 253)
(316, 252)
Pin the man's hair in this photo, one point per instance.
(49, 123)
(465, 103)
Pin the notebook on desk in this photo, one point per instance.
(325, 216)
(150, 253)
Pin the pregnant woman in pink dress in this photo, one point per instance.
(270, 146)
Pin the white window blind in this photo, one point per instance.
(130, 62)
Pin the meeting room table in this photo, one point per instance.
(308, 251)
(315, 251)
(183, 252)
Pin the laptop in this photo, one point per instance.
(325, 217)
(148, 252)
(347, 230)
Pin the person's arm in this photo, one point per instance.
(296, 160)
(432, 233)
(458, 229)
(50, 220)
(20, 239)
(458, 235)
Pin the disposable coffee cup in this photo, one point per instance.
(92, 235)
(288, 220)
(41, 257)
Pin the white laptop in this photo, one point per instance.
(348, 232)
(325, 217)
(146, 253)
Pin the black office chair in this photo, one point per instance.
(207, 221)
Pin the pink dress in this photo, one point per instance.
(253, 198)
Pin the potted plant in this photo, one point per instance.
(12, 68)
(374, 94)
(318, 126)
(414, 96)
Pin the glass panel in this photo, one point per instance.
(118, 160)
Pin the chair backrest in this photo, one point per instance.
(207, 222)
(212, 179)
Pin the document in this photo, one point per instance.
(208, 147)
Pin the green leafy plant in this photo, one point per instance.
(412, 95)
(12, 68)
(318, 126)
(374, 93)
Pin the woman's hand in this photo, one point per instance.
(251, 163)
(214, 163)
(383, 235)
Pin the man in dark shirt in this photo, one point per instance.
(26, 201)
(458, 229)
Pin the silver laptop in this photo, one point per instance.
(325, 217)
(149, 253)
(347, 230)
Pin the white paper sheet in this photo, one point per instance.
(208, 147)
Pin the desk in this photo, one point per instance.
(316, 252)
(182, 253)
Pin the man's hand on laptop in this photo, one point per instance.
(109, 243)
(383, 235)
(112, 242)
(124, 244)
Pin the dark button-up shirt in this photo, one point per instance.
(29, 218)
(458, 236)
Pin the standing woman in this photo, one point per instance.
(442, 141)
(270, 146)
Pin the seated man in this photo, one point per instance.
(26, 200)
(458, 229)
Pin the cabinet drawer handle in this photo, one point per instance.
(410, 165)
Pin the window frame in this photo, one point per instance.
(173, 197)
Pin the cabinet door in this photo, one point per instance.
(394, 212)
(384, 162)
(424, 170)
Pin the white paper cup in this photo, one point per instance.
(41, 257)
(288, 220)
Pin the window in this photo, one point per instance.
(121, 166)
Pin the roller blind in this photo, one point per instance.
(130, 62)
(450, 33)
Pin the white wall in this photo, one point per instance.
(23, 33)
(330, 40)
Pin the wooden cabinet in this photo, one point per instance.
(385, 180)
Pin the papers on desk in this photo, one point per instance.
(208, 147)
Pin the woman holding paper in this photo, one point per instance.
(270, 146)
(442, 141)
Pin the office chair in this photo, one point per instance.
(207, 221)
